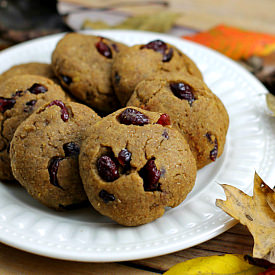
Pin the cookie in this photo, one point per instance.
(83, 65)
(140, 62)
(44, 153)
(35, 68)
(194, 110)
(134, 164)
(19, 97)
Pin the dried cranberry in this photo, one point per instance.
(29, 106)
(17, 93)
(115, 47)
(214, 152)
(160, 47)
(164, 120)
(64, 110)
(71, 149)
(131, 116)
(38, 89)
(107, 168)
(117, 78)
(6, 104)
(103, 48)
(165, 134)
(150, 175)
(167, 56)
(103, 194)
(156, 45)
(66, 79)
(124, 157)
(53, 169)
(183, 91)
(208, 136)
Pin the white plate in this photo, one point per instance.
(84, 235)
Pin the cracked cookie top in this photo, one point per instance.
(134, 164)
(44, 152)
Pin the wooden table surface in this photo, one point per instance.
(199, 14)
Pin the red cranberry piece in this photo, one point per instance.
(124, 157)
(66, 79)
(168, 56)
(38, 89)
(117, 78)
(53, 169)
(107, 197)
(156, 45)
(150, 175)
(160, 47)
(115, 47)
(17, 93)
(29, 106)
(164, 120)
(64, 110)
(208, 136)
(183, 91)
(71, 149)
(103, 48)
(131, 116)
(107, 168)
(165, 134)
(214, 152)
(6, 104)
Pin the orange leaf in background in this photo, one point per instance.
(235, 43)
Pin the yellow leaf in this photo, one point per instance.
(215, 265)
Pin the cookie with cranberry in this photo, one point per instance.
(194, 110)
(83, 65)
(44, 153)
(35, 68)
(19, 97)
(140, 62)
(134, 164)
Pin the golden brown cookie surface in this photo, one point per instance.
(83, 65)
(35, 68)
(194, 110)
(134, 164)
(44, 152)
(19, 97)
(140, 62)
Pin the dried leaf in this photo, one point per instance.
(95, 25)
(157, 22)
(270, 198)
(227, 265)
(270, 101)
(236, 43)
(254, 212)
(267, 73)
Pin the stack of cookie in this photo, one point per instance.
(162, 124)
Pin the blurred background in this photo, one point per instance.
(244, 30)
